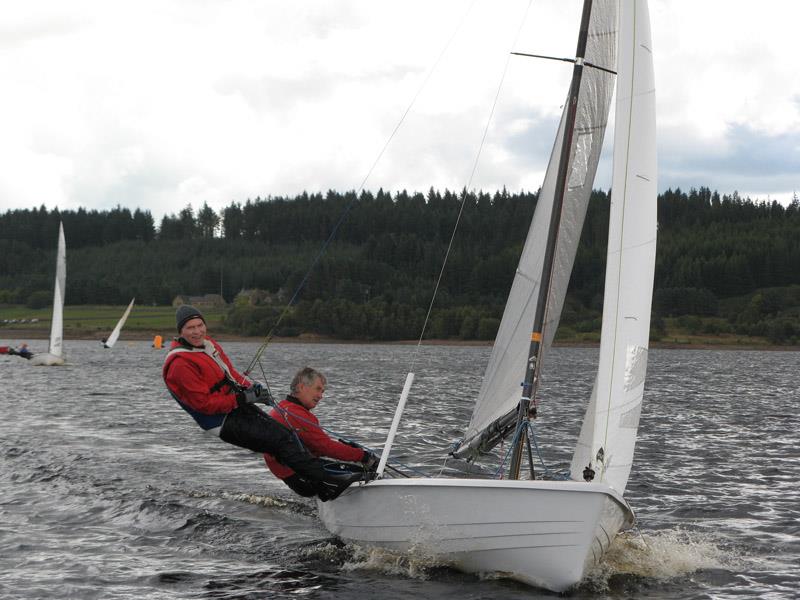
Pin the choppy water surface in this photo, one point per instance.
(110, 491)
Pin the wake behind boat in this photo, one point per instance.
(549, 533)
(55, 354)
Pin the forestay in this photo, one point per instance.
(608, 434)
(501, 390)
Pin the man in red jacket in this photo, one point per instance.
(307, 389)
(203, 381)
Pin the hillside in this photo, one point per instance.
(726, 266)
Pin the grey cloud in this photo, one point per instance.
(745, 159)
(533, 144)
(142, 189)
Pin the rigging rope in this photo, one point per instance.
(468, 185)
(403, 397)
(549, 474)
(328, 241)
(465, 193)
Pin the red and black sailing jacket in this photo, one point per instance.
(290, 412)
(201, 381)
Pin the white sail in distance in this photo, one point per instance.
(608, 434)
(57, 322)
(112, 339)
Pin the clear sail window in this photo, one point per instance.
(580, 160)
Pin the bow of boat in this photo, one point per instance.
(544, 533)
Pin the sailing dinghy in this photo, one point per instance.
(112, 339)
(549, 533)
(55, 354)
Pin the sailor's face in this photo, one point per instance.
(194, 331)
(310, 395)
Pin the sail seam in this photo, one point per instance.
(640, 245)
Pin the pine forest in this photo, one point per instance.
(725, 264)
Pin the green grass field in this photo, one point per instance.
(86, 318)
(95, 321)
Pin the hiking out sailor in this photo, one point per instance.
(204, 382)
(307, 389)
(21, 351)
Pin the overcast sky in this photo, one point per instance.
(158, 104)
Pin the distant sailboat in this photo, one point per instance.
(55, 354)
(112, 339)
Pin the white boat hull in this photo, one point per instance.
(542, 533)
(46, 359)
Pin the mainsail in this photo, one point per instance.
(608, 434)
(501, 390)
(57, 322)
(112, 339)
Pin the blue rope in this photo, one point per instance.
(558, 476)
(517, 433)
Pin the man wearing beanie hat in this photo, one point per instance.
(203, 381)
(186, 312)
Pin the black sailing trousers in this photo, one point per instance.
(247, 426)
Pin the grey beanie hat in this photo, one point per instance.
(185, 313)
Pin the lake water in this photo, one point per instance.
(109, 490)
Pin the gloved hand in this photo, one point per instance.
(370, 460)
(263, 393)
(249, 395)
(255, 393)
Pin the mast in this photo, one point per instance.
(527, 404)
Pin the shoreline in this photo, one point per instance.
(137, 335)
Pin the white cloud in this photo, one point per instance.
(156, 104)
